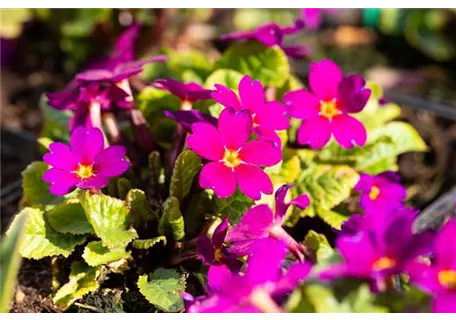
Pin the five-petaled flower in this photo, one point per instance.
(271, 34)
(234, 159)
(439, 278)
(267, 117)
(387, 244)
(262, 281)
(325, 110)
(382, 192)
(260, 222)
(84, 164)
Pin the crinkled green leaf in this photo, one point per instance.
(148, 243)
(232, 207)
(69, 217)
(164, 289)
(153, 102)
(83, 279)
(327, 186)
(123, 186)
(319, 244)
(333, 218)
(55, 122)
(187, 165)
(10, 262)
(140, 210)
(404, 138)
(40, 240)
(228, 78)
(109, 219)
(172, 222)
(269, 65)
(96, 254)
(36, 191)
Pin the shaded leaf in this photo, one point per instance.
(155, 169)
(187, 165)
(140, 210)
(95, 254)
(172, 222)
(123, 186)
(69, 217)
(226, 77)
(232, 207)
(148, 243)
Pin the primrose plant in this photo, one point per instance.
(179, 185)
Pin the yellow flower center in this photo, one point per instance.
(383, 263)
(84, 172)
(447, 278)
(374, 193)
(231, 158)
(328, 109)
(218, 255)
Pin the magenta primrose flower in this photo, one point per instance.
(325, 110)
(233, 159)
(382, 192)
(313, 16)
(439, 278)
(186, 92)
(267, 117)
(262, 281)
(272, 34)
(260, 222)
(383, 247)
(84, 164)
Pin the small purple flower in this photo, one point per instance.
(213, 252)
(272, 34)
(84, 164)
(383, 247)
(234, 159)
(439, 278)
(353, 225)
(260, 222)
(313, 16)
(262, 281)
(124, 48)
(188, 117)
(186, 92)
(325, 111)
(382, 192)
(267, 117)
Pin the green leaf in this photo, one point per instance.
(123, 186)
(185, 60)
(362, 300)
(374, 115)
(187, 165)
(153, 102)
(55, 122)
(200, 204)
(232, 207)
(155, 169)
(109, 218)
(83, 279)
(319, 244)
(36, 191)
(327, 186)
(139, 207)
(215, 110)
(403, 137)
(172, 221)
(164, 289)
(69, 217)
(333, 218)
(226, 77)
(291, 84)
(269, 65)
(95, 254)
(10, 262)
(148, 243)
(40, 240)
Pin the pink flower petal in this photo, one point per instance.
(348, 131)
(254, 224)
(445, 302)
(110, 162)
(251, 93)
(226, 97)
(205, 249)
(445, 248)
(216, 176)
(60, 157)
(206, 141)
(301, 104)
(62, 182)
(86, 144)
(324, 78)
(268, 135)
(253, 181)
(352, 96)
(217, 276)
(234, 128)
(315, 132)
(271, 115)
(260, 153)
(97, 182)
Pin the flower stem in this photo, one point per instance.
(141, 129)
(178, 139)
(263, 301)
(95, 114)
(112, 127)
(271, 93)
(297, 249)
